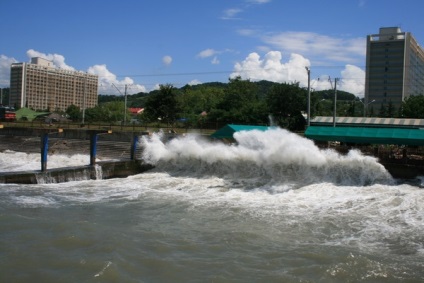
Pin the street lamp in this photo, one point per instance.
(366, 105)
(335, 98)
(308, 70)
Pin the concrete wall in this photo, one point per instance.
(103, 170)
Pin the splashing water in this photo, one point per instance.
(276, 157)
(20, 161)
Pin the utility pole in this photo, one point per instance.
(83, 100)
(1, 96)
(308, 70)
(335, 98)
(125, 106)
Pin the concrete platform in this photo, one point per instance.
(102, 170)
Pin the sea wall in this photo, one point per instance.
(102, 170)
(403, 171)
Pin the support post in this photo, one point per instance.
(134, 147)
(44, 151)
(93, 147)
(125, 107)
(309, 96)
(335, 102)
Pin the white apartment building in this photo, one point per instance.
(40, 86)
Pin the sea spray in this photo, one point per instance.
(276, 157)
(99, 171)
(11, 161)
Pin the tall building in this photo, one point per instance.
(41, 86)
(395, 68)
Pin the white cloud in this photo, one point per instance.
(322, 83)
(215, 60)
(247, 32)
(212, 52)
(207, 53)
(5, 63)
(353, 80)
(107, 81)
(167, 60)
(230, 14)
(259, 1)
(313, 44)
(271, 68)
(57, 59)
(194, 82)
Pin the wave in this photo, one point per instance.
(11, 161)
(275, 156)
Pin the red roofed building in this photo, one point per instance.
(135, 111)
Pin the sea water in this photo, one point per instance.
(271, 207)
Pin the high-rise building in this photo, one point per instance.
(41, 86)
(395, 68)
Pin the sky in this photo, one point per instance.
(142, 44)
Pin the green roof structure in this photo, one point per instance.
(368, 122)
(372, 135)
(228, 131)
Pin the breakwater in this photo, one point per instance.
(100, 171)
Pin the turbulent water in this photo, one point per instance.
(270, 208)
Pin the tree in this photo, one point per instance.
(162, 104)
(413, 107)
(240, 104)
(74, 112)
(238, 93)
(286, 103)
(351, 109)
(383, 110)
(194, 101)
(390, 109)
(5, 96)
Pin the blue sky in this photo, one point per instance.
(144, 43)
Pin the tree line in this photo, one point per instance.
(238, 102)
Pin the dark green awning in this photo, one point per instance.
(367, 135)
(228, 131)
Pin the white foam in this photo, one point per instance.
(273, 177)
(276, 155)
(19, 161)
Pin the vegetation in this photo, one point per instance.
(4, 96)
(239, 102)
(413, 107)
